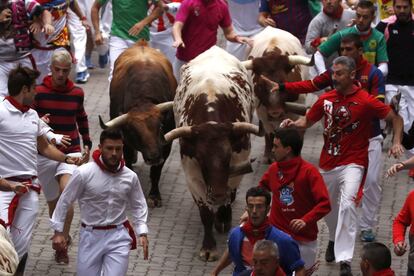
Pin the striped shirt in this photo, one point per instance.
(67, 114)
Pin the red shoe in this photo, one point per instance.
(411, 173)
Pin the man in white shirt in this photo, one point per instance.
(20, 140)
(104, 188)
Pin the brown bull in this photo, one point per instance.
(141, 93)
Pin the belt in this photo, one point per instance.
(106, 227)
(126, 224)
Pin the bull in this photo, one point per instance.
(277, 55)
(141, 94)
(213, 108)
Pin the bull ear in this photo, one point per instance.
(243, 127)
(183, 131)
(296, 108)
(165, 106)
(116, 122)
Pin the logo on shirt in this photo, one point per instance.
(286, 196)
(338, 125)
(372, 44)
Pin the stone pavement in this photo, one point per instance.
(175, 228)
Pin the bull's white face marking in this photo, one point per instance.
(209, 74)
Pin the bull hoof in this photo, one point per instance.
(154, 202)
(208, 255)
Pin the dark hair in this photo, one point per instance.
(353, 38)
(408, 1)
(290, 137)
(377, 254)
(19, 77)
(259, 191)
(111, 133)
(365, 4)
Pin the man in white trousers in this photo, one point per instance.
(104, 188)
(22, 137)
(348, 112)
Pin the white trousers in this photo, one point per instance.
(308, 251)
(406, 106)
(372, 187)
(116, 47)
(103, 252)
(43, 58)
(5, 68)
(78, 40)
(24, 220)
(48, 170)
(343, 183)
(163, 41)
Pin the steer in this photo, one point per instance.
(277, 55)
(141, 93)
(213, 109)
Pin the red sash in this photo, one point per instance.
(15, 201)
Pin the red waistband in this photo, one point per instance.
(126, 224)
(21, 179)
(3, 223)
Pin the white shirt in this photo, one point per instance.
(18, 141)
(103, 198)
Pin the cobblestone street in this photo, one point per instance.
(175, 228)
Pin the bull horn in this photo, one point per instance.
(114, 122)
(177, 133)
(165, 106)
(296, 108)
(297, 59)
(249, 128)
(240, 169)
(248, 64)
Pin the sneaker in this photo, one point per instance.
(330, 253)
(367, 236)
(103, 60)
(62, 257)
(88, 62)
(345, 269)
(82, 77)
(411, 173)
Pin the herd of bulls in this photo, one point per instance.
(210, 111)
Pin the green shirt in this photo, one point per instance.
(374, 46)
(125, 14)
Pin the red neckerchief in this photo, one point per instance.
(21, 107)
(288, 170)
(279, 272)
(336, 14)
(253, 233)
(96, 157)
(47, 81)
(384, 272)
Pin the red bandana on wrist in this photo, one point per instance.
(253, 233)
(96, 157)
(23, 108)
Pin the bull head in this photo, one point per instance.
(121, 119)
